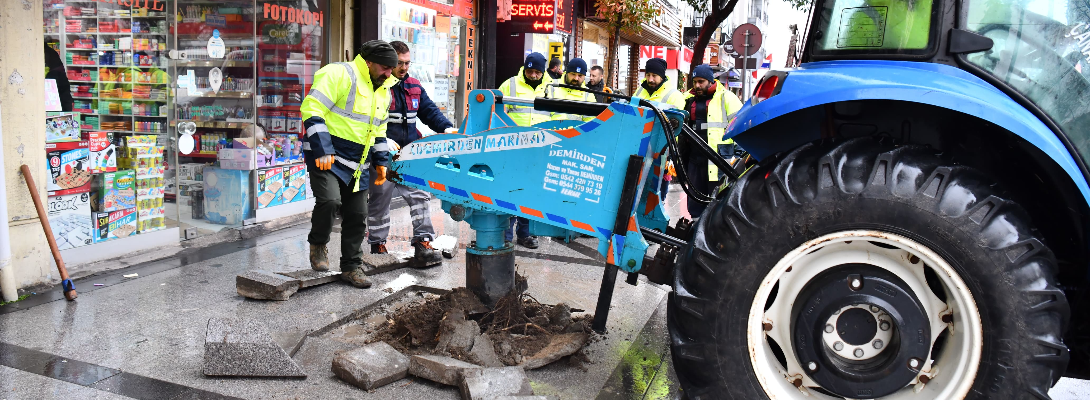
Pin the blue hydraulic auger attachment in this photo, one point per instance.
(598, 178)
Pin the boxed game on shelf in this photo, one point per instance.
(70, 219)
(69, 168)
(295, 177)
(143, 155)
(62, 127)
(103, 153)
(114, 224)
(112, 191)
(270, 187)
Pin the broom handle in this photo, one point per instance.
(45, 221)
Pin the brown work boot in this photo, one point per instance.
(319, 257)
(378, 249)
(425, 255)
(357, 278)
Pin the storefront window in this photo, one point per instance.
(435, 42)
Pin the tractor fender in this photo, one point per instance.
(818, 83)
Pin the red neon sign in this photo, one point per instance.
(535, 15)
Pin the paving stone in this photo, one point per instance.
(559, 346)
(483, 352)
(374, 264)
(371, 366)
(445, 370)
(234, 347)
(456, 333)
(309, 277)
(488, 383)
(264, 285)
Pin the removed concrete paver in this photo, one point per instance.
(264, 285)
(488, 383)
(234, 347)
(310, 278)
(371, 366)
(445, 370)
(558, 347)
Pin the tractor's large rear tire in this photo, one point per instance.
(790, 273)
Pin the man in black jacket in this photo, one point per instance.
(410, 104)
(596, 81)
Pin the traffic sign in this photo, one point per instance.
(740, 36)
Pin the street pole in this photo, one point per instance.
(7, 272)
(745, 68)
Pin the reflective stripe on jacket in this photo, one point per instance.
(516, 87)
(666, 94)
(411, 105)
(720, 111)
(570, 94)
(344, 115)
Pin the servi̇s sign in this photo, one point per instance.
(293, 15)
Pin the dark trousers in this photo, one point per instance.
(696, 167)
(523, 229)
(330, 194)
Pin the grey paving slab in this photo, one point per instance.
(371, 366)
(17, 384)
(244, 348)
(309, 277)
(263, 285)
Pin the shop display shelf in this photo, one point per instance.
(198, 155)
(221, 94)
(213, 63)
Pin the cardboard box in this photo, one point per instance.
(226, 196)
(70, 219)
(103, 153)
(191, 172)
(296, 180)
(113, 191)
(62, 127)
(270, 187)
(69, 168)
(114, 225)
(237, 159)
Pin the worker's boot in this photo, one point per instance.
(378, 249)
(319, 257)
(357, 278)
(425, 255)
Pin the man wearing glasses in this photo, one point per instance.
(410, 104)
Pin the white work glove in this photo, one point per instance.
(451, 130)
(393, 145)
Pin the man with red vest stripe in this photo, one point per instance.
(410, 104)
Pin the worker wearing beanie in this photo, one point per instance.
(574, 75)
(530, 83)
(700, 102)
(345, 119)
(654, 87)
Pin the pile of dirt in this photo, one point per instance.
(519, 331)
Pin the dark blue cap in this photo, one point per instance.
(704, 71)
(535, 61)
(656, 66)
(577, 65)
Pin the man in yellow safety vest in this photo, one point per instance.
(530, 83)
(574, 74)
(345, 119)
(654, 87)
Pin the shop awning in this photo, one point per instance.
(652, 37)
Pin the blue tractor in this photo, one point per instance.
(915, 225)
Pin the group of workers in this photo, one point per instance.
(358, 111)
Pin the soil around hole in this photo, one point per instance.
(518, 327)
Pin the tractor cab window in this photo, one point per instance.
(874, 27)
(1041, 49)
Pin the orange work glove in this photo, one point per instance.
(380, 175)
(325, 162)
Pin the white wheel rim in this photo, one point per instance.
(951, 377)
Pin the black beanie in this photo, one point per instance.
(656, 66)
(378, 51)
(576, 65)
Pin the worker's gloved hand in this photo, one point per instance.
(451, 130)
(325, 162)
(380, 175)
(393, 145)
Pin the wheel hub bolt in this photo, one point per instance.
(812, 366)
(884, 326)
(856, 284)
(873, 309)
(878, 344)
(914, 363)
(828, 328)
(838, 346)
(858, 353)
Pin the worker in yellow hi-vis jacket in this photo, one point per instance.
(345, 119)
